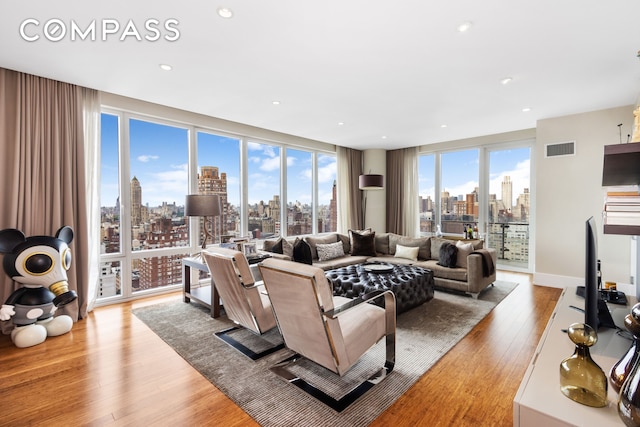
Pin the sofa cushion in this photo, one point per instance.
(314, 240)
(277, 247)
(382, 243)
(327, 251)
(464, 249)
(302, 252)
(363, 244)
(457, 273)
(346, 243)
(287, 248)
(448, 255)
(407, 252)
(421, 242)
(268, 244)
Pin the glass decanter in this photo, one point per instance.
(581, 379)
(620, 371)
(629, 397)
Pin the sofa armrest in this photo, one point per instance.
(476, 280)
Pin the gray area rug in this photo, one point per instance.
(424, 335)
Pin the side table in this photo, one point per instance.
(205, 295)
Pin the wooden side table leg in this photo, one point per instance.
(215, 301)
(186, 283)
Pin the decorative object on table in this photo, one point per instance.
(621, 370)
(438, 231)
(629, 397)
(40, 263)
(204, 205)
(581, 379)
(249, 249)
(365, 183)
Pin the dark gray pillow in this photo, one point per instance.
(363, 244)
(277, 248)
(448, 255)
(302, 252)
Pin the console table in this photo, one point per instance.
(539, 401)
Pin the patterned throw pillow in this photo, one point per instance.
(327, 251)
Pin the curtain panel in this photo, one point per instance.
(44, 169)
(349, 194)
(402, 191)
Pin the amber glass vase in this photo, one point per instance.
(621, 370)
(581, 379)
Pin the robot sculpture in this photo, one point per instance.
(40, 264)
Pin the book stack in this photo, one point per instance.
(622, 205)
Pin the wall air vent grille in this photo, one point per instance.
(560, 149)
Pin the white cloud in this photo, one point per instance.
(147, 157)
(327, 173)
(270, 164)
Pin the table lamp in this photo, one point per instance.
(204, 205)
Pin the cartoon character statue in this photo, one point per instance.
(40, 264)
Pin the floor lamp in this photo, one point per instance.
(369, 182)
(204, 205)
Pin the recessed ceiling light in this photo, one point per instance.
(225, 12)
(275, 102)
(465, 26)
(506, 80)
(166, 67)
(340, 123)
(526, 109)
(384, 136)
(443, 126)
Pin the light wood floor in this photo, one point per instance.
(112, 370)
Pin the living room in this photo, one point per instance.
(565, 190)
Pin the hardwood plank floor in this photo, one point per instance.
(111, 370)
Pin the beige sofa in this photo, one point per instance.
(474, 270)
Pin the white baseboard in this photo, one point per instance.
(555, 281)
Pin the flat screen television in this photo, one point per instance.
(596, 312)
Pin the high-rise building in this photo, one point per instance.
(333, 210)
(136, 202)
(507, 193)
(210, 181)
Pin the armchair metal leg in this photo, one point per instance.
(224, 336)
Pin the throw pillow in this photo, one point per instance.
(448, 255)
(277, 248)
(464, 249)
(363, 244)
(287, 248)
(346, 243)
(313, 241)
(327, 251)
(423, 243)
(302, 252)
(407, 252)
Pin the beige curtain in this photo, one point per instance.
(44, 170)
(402, 191)
(349, 194)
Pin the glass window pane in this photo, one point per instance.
(509, 205)
(110, 284)
(263, 189)
(426, 190)
(159, 184)
(156, 272)
(459, 198)
(109, 184)
(327, 199)
(219, 173)
(299, 192)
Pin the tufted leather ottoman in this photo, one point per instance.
(411, 285)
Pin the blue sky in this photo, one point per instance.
(159, 160)
(460, 171)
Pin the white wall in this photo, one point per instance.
(569, 190)
(375, 162)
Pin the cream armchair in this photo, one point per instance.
(244, 300)
(333, 332)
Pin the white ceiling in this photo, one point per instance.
(394, 69)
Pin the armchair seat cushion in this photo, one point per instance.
(358, 339)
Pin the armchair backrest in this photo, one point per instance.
(299, 294)
(235, 284)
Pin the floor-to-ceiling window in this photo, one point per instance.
(486, 189)
(149, 166)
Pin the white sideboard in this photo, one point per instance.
(539, 401)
